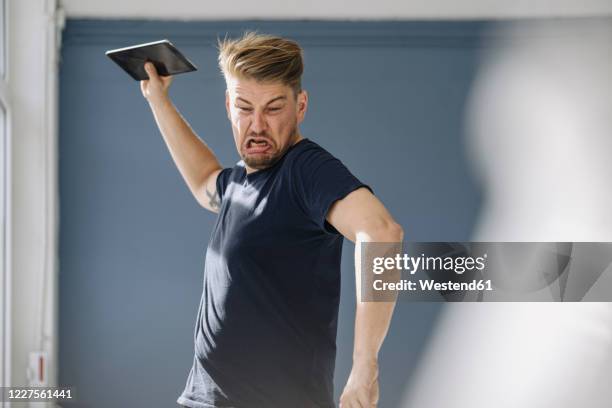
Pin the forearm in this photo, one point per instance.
(372, 318)
(194, 160)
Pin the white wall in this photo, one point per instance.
(335, 9)
(32, 79)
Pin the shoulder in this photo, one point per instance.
(306, 147)
(316, 169)
(308, 156)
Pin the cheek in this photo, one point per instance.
(283, 123)
(239, 123)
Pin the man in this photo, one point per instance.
(266, 329)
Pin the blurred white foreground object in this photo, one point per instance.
(540, 137)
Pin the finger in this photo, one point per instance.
(374, 394)
(167, 80)
(351, 401)
(373, 400)
(151, 71)
(363, 400)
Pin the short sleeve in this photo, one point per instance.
(222, 181)
(320, 179)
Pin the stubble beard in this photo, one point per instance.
(263, 161)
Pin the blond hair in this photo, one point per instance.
(262, 57)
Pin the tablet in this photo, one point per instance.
(168, 60)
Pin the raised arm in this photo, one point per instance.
(194, 160)
(361, 217)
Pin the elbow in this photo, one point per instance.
(394, 232)
(384, 230)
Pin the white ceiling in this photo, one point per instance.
(333, 9)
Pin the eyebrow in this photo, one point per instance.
(267, 103)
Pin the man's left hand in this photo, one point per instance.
(361, 390)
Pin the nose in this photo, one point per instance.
(258, 125)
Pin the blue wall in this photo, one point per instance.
(386, 98)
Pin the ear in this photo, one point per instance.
(227, 102)
(302, 105)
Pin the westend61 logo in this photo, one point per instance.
(412, 264)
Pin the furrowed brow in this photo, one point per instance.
(278, 98)
(243, 100)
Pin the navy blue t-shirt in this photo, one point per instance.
(265, 335)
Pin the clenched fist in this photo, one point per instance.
(361, 390)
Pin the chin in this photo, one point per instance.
(260, 163)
